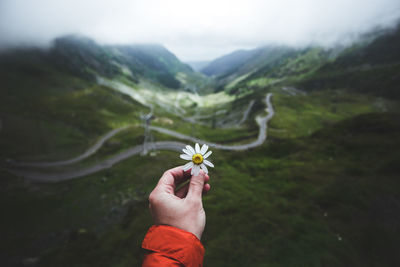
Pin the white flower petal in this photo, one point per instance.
(186, 157)
(195, 170)
(187, 166)
(207, 154)
(208, 163)
(187, 152)
(204, 168)
(197, 148)
(203, 149)
(190, 149)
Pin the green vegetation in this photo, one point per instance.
(303, 114)
(323, 200)
(64, 114)
(304, 200)
(380, 80)
(368, 66)
(322, 191)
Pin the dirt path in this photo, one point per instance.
(262, 134)
(108, 163)
(93, 149)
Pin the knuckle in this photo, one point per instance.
(195, 183)
(152, 198)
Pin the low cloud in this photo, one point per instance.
(195, 30)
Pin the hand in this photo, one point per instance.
(183, 208)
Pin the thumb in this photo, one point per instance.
(196, 186)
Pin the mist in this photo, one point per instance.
(195, 30)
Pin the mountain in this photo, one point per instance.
(370, 65)
(84, 58)
(198, 65)
(154, 62)
(54, 92)
(228, 63)
(80, 56)
(235, 67)
(322, 190)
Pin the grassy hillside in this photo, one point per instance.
(153, 61)
(82, 57)
(322, 198)
(197, 65)
(321, 191)
(370, 68)
(49, 113)
(228, 63)
(248, 64)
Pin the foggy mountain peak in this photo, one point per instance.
(195, 30)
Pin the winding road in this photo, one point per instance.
(108, 163)
(93, 149)
(164, 145)
(262, 134)
(247, 112)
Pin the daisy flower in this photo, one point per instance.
(197, 157)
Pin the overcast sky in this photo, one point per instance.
(194, 30)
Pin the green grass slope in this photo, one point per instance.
(262, 58)
(153, 61)
(325, 200)
(322, 191)
(228, 63)
(370, 65)
(370, 68)
(329, 198)
(82, 57)
(44, 111)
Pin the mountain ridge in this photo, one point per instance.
(315, 67)
(84, 58)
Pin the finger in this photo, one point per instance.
(206, 178)
(206, 188)
(182, 192)
(182, 189)
(196, 186)
(171, 178)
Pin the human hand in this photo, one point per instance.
(182, 208)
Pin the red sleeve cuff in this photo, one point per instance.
(175, 243)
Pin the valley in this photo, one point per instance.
(164, 145)
(305, 145)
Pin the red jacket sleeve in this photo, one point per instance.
(170, 246)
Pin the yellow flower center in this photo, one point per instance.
(197, 159)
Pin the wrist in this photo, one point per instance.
(188, 230)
